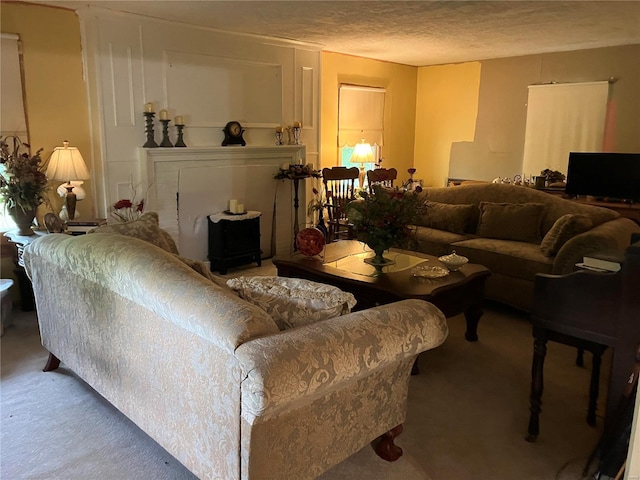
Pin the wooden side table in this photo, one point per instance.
(234, 240)
(27, 302)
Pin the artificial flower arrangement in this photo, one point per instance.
(125, 210)
(23, 183)
(385, 217)
(297, 171)
(552, 176)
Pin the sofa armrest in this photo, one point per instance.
(312, 360)
(611, 235)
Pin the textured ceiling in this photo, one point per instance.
(413, 33)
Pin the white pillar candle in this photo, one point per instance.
(240, 208)
(148, 107)
(164, 115)
(179, 120)
(233, 206)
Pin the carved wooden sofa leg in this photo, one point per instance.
(53, 362)
(384, 446)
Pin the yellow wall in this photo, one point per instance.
(446, 111)
(399, 108)
(57, 107)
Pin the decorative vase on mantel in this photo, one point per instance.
(23, 219)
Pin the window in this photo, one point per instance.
(360, 116)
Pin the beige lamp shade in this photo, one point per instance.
(362, 153)
(66, 163)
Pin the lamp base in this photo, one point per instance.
(361, 176)
(71, 201)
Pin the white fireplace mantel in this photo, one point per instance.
(185, 185)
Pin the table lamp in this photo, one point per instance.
(67, 164)
(363, 153)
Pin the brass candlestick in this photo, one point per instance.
(165, 134)
(180, 141)
(148, 118)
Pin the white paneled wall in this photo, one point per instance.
(209, 78)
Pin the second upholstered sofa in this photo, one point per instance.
(212, 377)
(517, 232)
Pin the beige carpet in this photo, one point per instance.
(467, 416)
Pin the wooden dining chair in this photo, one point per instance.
(339, 188)
(381, 176)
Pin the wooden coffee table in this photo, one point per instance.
(459, 292)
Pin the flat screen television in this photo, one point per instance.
(615, 176)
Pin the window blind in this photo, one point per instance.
(563, 118)
(12, 115)
(360, 115)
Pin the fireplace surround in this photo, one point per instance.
(186, 185)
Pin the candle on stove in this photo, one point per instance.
(164, 115)
(233, 206)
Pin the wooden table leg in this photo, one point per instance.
(472, 316)
(535, 399)
(594, 388)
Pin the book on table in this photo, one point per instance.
(91, 222)
(609, 261)
(80, 227)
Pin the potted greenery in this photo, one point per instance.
(385, 218)
(23, 182)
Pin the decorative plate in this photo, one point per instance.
(310, 241)
(429, 272)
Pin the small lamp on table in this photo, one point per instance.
(363, 153)
(66, 163)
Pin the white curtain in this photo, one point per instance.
(563, 118)
(360, 115)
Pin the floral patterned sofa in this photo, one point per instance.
(517, 232)
(211, 376)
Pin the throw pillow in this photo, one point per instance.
(564, 228)
(293, 302)
(510, 221)
(448, 217)
(147, 228)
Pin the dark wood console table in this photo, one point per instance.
(27, 302)
(593, 311)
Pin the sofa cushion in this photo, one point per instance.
(435, 242)
(507, 257)
(565, 228)
(448, 217)
(510, 221)
(293, 302)
(147, 228)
